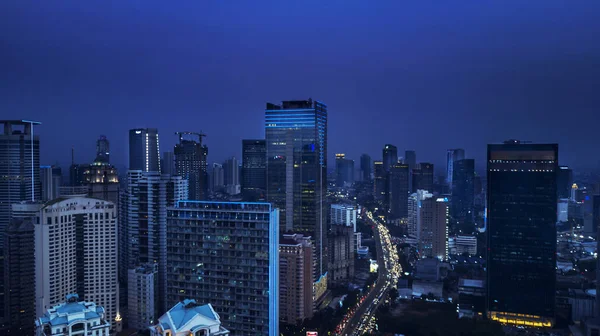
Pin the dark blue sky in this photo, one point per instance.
(426, 76)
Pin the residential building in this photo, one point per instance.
(296, 137)
(188, 318)
(142, 308)
(414, 214)
(73, 318)
(433, 224)
(254, 167)
(296, 277)
(343, 214)
(452, 156)
(191, 164)
(390, 156)
(422, 177)
(341, 255)
(226, 253)
(521, 267)
(463, 191)
(231, 169)
(365, 167)
(144, 150)
(76, 252)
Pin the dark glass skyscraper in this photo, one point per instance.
(564, 181)
(521, 236)
(344, 169)
(398, 190)
(365, 167)
(390, 156)
(453, 156)
(190, 163)
(144, 150)
(380, 181)
(410, 158)
(463, 191)
(296, 137)
(422, 177)
(254, 166)
(102, 150)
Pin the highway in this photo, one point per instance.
(362, 320)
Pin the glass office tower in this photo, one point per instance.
(144, 150)
(521, 218)
(296, 136)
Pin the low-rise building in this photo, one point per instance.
(188, 318)
(73, 318)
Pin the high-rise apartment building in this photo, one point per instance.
(168, 163)
(397, 195)
(231, 169)
(102, 150)
(144, 150)
(422, 177)
(564, 181)
(296, 277)
(344, 169)
(341, 254)
(296, 137)
(142, 231)
(343, 214)
(452, 156)
(390, 156)
(142, 285)
(365, 167)
(433, 225)
(414, 215)
(190, 163)
(463, 191)
(76, 252)
(226, 253)
(254, 167)
(521, 239)
(380, 181)
(19, 277)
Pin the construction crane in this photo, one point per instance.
(181, 135)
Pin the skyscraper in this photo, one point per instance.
(398, 190)
(231, 169)
(390, 156)
(296, 276)
(365, 167)
(254, 167)
(76, 252)
(422, 177)
(564, 181)
(144, 150)
(190, 163)
(344, 170)
(102, 150)
(433, 225)
(521, 236)
(50, 178)
(414, 214)
(410, 158)
(226, 253)
(168, 163)
(296, 136)
(463, 191)
(452, 156)
(218, 177)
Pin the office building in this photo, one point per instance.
(397, 195)
(190, 163)
(365, 167)
(51, 180)
(19, 277)
(217, 178)
(410, 158)
(341, 254)
(463, 197)
(422, 177)
(73, 318)
(344, 170)
(189, 318)
(231, 170)
(380, 181)
(142, 285)
(77, 174)
(390, 156)
(414, 215)
(296, 137)
(254, 167)
(343, 214)
(102, 180)
(433, 225)
(452, 156)
(168, 163)
(296, 277)
(564, 181)
(102, 150)
(76, 252)
(471, 298)
(521, 267)
(226, 253)
(142, 231)
(144, 150)
(462, 244)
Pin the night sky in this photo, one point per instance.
(426, 76)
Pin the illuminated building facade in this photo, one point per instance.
(254, 167)
(422, 177)
(390, 156)
(433, 227)
(521, 236)
(452, 156)
(144, 150)
(380, 181)
(191, 164)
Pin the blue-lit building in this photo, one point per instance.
(452, 156)
(296, 137)
(226, 253)
(144, 150)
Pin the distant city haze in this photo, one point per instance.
(420, 76)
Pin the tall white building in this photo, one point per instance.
(342, 214)
(76, 252)
(142, 285)
(414, 203)
(73, 318)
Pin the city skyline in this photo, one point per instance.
(484, 75)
